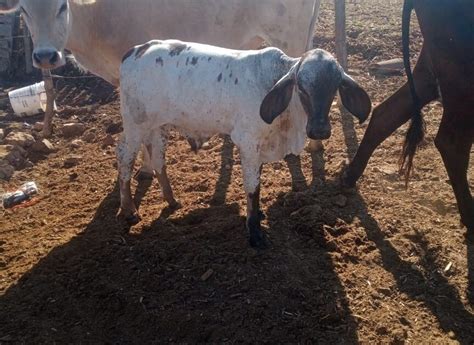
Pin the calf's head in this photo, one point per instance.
(316, 76)
(49, 25)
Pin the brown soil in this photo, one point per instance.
(368, 265)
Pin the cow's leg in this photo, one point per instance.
(251, 169)
(146, 170)
(127, 151)
(389, 116)
(455, 148)
(158, 161)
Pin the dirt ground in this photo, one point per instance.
(377, 264)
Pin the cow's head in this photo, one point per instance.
(317, 77)
(49, 24)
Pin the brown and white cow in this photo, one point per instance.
(445, 70)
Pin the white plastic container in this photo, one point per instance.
(29, 100)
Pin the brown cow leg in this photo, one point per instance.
(455, 148)
(389, 116)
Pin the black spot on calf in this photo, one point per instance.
(194, 61)
(176, 48)
(159, 60)
(142, 49)
(128, 54)
(219, 78)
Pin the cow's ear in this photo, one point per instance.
(279, 97)
(7, 6)
(354, 98)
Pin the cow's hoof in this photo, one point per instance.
(144, 175)
(175, 205)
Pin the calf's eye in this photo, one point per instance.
(62, 9)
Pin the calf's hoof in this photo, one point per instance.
(144, 175)
(258, 240)
(257, 237)
(131, 219)
(346, 180)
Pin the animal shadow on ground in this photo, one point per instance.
(427, 285)
(189, 277)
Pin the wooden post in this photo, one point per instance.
(341, 45)
(28, 51)
(50, 94)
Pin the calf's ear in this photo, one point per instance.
(354, 98)
(9, 6)
(279, 97)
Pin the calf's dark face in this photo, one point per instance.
(317, 82)
(317, 77)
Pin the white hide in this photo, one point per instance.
(205, 90)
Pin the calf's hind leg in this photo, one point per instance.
(127, 151)
(157, 151)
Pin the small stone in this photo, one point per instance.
(114, 128)
(38, 126)
(13, 155)
(89, 137)
(206, 146)
(42, 146)
(207, 275)
(6, 170)
(72, 161)
(20, 139)
(73, 176)
(452, 335)
(2, 134)
(71, 130)
(76, 143)
(108, 141)
(340, 200)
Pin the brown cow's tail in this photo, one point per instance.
(416, 131)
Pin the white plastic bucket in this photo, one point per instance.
(29, 100)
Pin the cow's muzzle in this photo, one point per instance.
(46, 58)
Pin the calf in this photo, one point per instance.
(445, 70)
(265, 100)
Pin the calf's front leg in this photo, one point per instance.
(251, 169)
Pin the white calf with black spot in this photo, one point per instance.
(266, 101)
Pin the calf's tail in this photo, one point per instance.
(416, 130)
